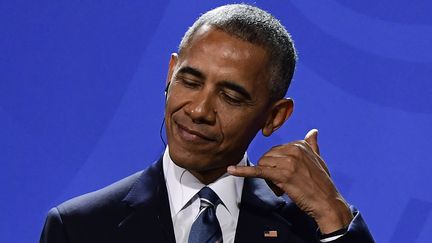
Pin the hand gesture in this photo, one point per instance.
(297, 169)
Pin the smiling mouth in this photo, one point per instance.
(192, 135)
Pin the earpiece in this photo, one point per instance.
(167, 87)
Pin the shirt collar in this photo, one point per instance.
(182, 186)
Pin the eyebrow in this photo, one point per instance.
(192, 71)
(226, 83)
(239, 89)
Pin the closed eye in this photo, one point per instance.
(190, 77)
(189, 83)
(232, 99)
(235, 94)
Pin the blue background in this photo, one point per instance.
(81, 101)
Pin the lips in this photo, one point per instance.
(193, 135)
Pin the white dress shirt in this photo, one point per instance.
(184, 202)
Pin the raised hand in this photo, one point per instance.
(297, 169)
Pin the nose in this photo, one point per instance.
(201, 109)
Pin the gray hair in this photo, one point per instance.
(258, 27)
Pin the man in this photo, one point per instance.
(227, 82)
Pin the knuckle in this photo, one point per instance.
(258, 171)
(265, 160)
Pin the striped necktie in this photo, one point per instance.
(206, 228)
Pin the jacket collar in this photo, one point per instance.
(257, 193)
(149, 208)
(149, 218)
(147, 188)
(150, 189)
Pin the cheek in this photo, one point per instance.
(175, 99)
(240, 128)
(173, 104)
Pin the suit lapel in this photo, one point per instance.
(149, 218)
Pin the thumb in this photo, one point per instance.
(312, 139)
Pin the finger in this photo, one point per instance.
(276, 190)
(256, 171)
(285, 149)
(250, 171)
(312, 139)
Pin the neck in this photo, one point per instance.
(207, 177)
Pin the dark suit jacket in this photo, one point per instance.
(136, 209)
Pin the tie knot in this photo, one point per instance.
(209, 196)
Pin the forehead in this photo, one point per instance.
(222, 56)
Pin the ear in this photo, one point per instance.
(281, 110)
(171, 67)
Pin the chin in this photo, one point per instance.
(192, 164)
(193, 161)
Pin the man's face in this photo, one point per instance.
(218, 99)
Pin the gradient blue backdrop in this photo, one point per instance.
(81, 101)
